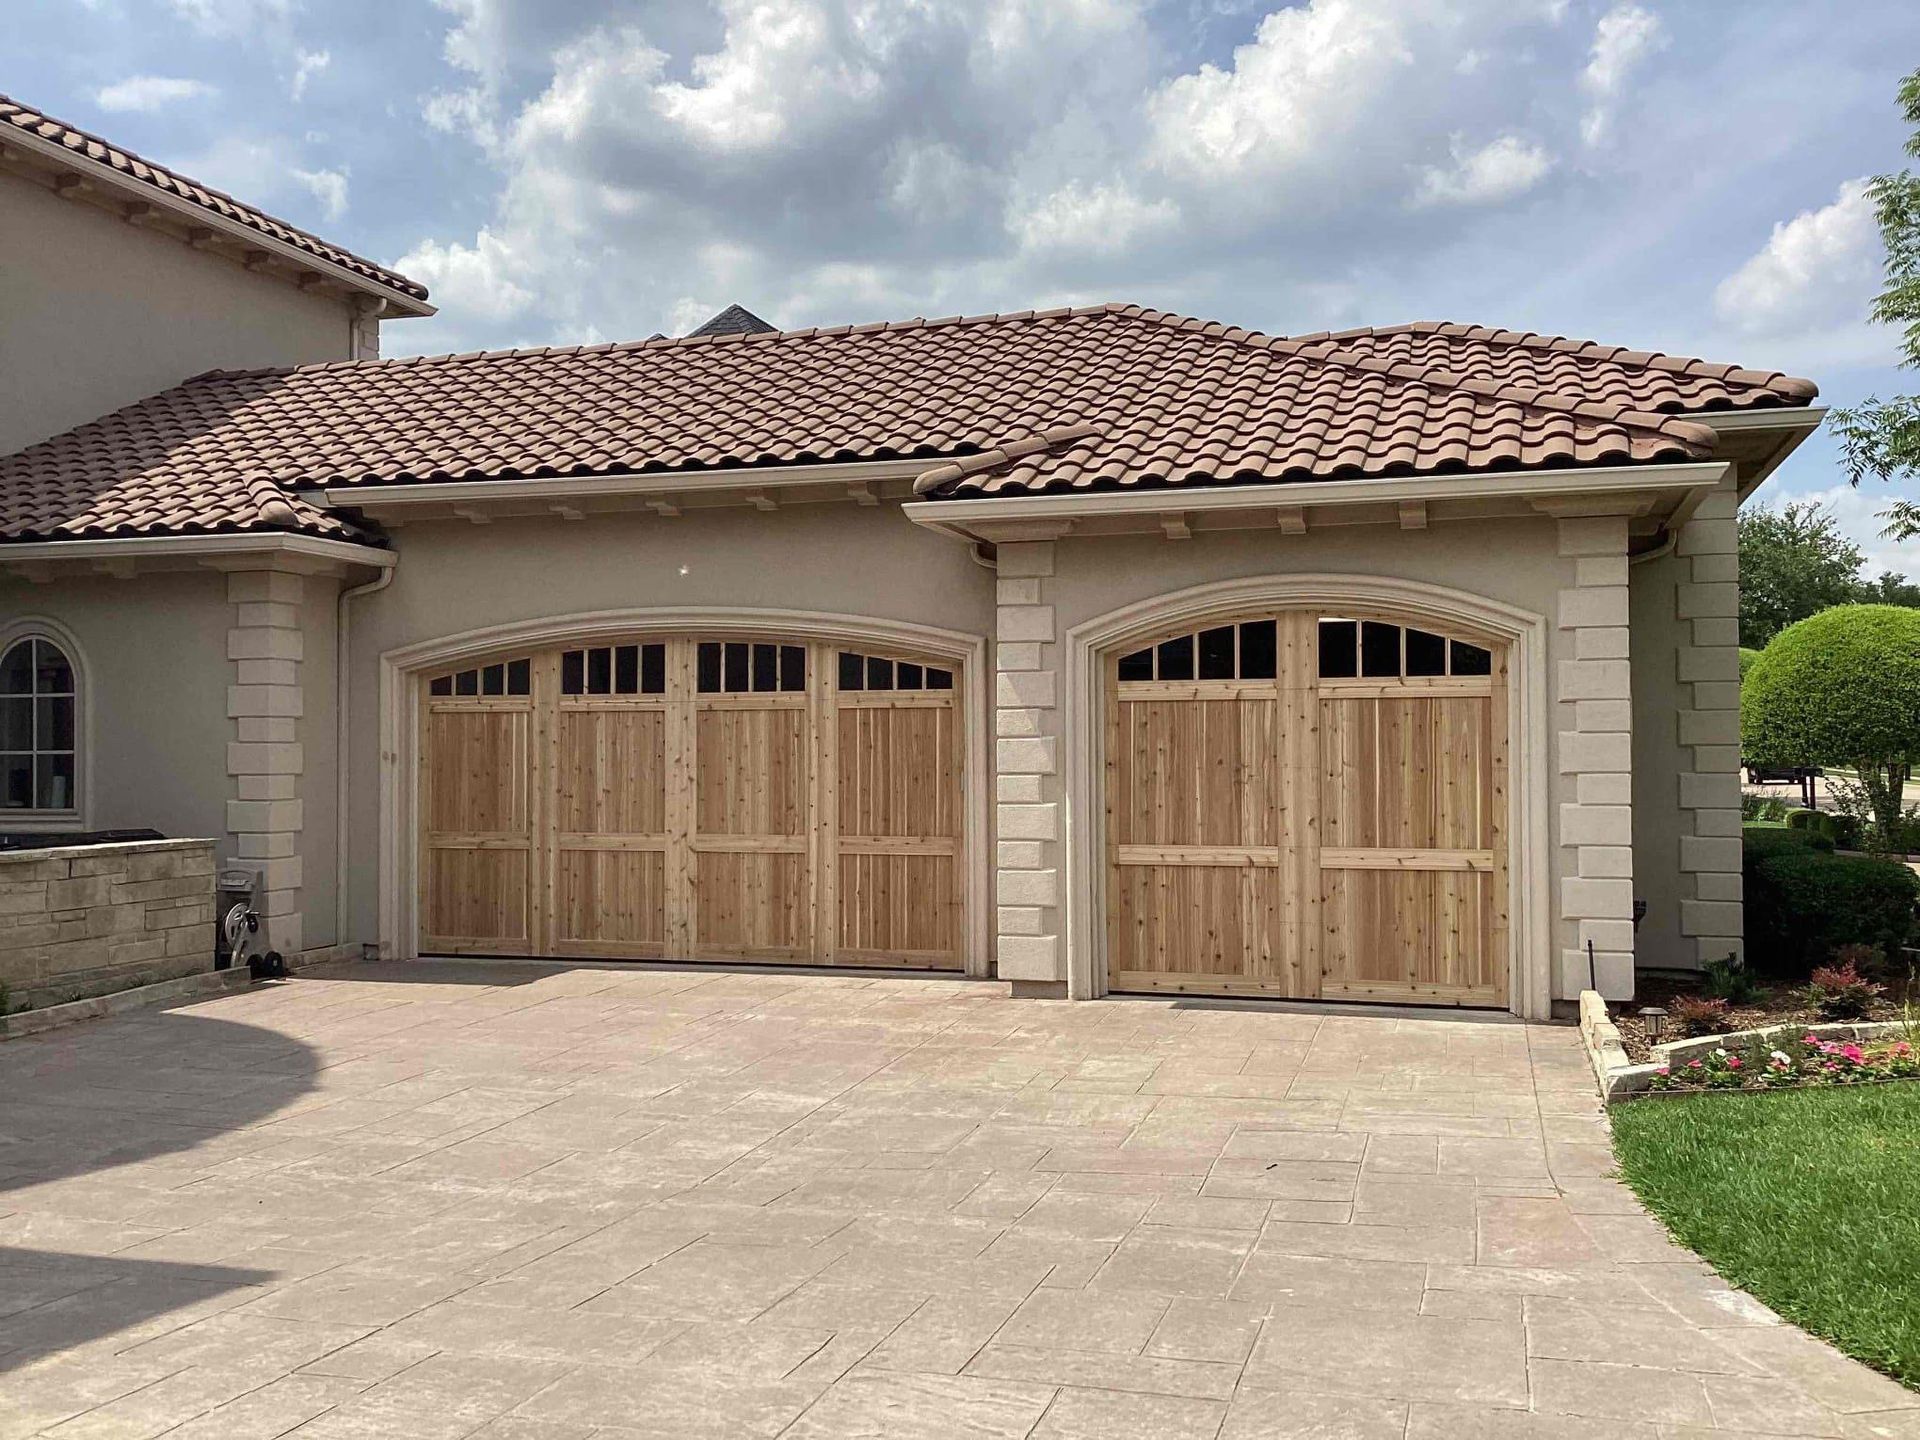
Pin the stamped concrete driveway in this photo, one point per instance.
(449, 1200)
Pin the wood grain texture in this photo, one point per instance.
(1297, 836)
(782, 825)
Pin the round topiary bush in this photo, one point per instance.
(1841, 688)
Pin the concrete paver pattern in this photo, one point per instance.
(530, 1202)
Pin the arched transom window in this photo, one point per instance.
(38, 724)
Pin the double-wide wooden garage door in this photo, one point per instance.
(741, 799)
(1308, 804)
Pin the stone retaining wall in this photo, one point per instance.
(92, 919)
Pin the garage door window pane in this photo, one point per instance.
(653, 669)
(879, 673)
(939, 680)
(1257, 645)
(467, 682)
(709, 667)
(493, 680)
(1137, 666)
(853, 672)
(737, 670)
(1471, 659)
(1379, 650)
(1426, 653)
(600, 671)
(793, 667)
(519, 677)
(1176, 658)
(626, 669)
(1216, 653)
(766, 668)
(1339, 649)
(910, 676)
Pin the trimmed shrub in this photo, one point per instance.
(1842, 830)
(1747, 657)
(1803, 901)
(1840, 688)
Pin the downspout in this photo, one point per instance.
(1664, 548)
(342, 740)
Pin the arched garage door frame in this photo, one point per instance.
(400, 669)
(1523, 631)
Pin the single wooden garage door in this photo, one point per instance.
(696, 798)
(1309, 805)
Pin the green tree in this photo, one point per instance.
(1882, 437)
(1794, 562)
(1890, 589)
(1840, 688)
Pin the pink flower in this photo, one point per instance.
(1733, 1062)
(1852, 1052)
(1664, 1070)
(1693, 1064)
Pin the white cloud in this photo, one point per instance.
(1499, 170)
(473, 280)
(228, 18)
(329, 187)
(149, 92)
(1625, 37)
(1097, 219)
(306, 65)
(1817, 270)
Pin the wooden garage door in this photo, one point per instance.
(1308, 805)
(695, 798)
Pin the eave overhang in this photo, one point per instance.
(125, 557)
(1652, 497)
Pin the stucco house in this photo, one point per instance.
(1101, 649)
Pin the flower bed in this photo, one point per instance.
(1771, 1062)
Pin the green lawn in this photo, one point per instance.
(1810, 1199)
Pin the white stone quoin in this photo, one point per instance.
(1594, 754)
(1027, 781)
(265, 762)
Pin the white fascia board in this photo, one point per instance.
(1775, 417)
(587, 487)
(1474, 485)
(199, 547)
(27, 142)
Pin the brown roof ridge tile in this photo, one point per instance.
(99, 151)
(1008, 451)
(1530, 397)
(1792, 388)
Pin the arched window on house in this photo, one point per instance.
(39, 723)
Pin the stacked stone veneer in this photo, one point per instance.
(1027, 772)
(89, 919)
(1707, 601)
(264, 757)
(1593, 750)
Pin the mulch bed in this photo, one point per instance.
(1781, 1006)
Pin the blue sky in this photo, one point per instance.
(1677, 176)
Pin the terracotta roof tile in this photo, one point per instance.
(82, 145)
(1063, 400)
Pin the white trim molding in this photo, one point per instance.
(1526, 634)
(1644, 489)
(400, 729)
(45, 560)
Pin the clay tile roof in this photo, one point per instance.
(135, 170)
(1093, 397)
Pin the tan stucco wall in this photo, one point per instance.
(95, 314)
(455, 576)
(154, 654)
